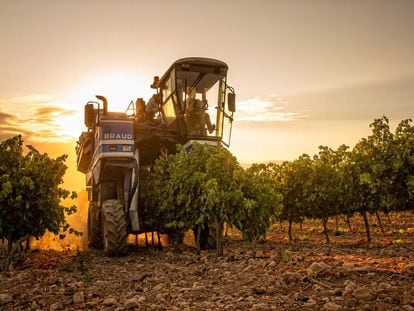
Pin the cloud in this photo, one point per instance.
(34, 123)
(14, 130)
(9, 126)
(6, 118)
(265, 109)
(55, 111)
(49, 114)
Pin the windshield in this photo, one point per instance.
(198, 96)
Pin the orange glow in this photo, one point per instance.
(77, 221)
(119, 88)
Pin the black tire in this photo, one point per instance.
(207, 237)
(114, 228)
(94, 227)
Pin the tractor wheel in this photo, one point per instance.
(94, 226)
(207, 237)
(114, 228)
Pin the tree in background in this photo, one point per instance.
(344, 201)
(323, 188)
(294, 181)
(261, 201)
(403, 165)
(371, 173)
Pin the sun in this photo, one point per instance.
(118, 88)
(69, 127)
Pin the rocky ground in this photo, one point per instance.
(308, 274)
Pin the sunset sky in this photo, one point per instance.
(306, 73)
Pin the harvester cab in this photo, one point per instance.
(193, 101)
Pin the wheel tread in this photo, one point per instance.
(116, 235)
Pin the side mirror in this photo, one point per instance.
(231, 102)
(89, 114)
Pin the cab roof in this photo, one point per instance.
(189, 62)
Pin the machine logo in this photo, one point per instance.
(117, 136)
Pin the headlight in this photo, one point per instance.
(127, 148)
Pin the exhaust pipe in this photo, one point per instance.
(105, 103)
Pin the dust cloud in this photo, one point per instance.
(77, 221)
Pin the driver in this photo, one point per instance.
(151, 108)
(197, 116)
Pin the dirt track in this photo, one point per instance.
(308, 274)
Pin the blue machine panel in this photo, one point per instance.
(117, 130)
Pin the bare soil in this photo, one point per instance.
(306, 274)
